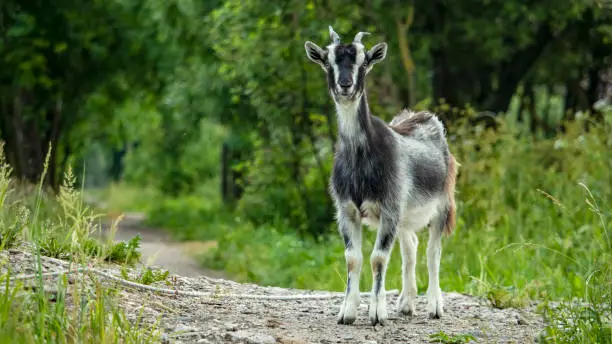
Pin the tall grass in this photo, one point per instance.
(534, 223)
(526, 221)
(58, 225)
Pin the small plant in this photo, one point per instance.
(149, 276)
(442, 337)
(125, 253)
(9, 235)
(583, 321)
(506, 297)
(55, 247)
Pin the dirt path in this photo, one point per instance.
(222, 317)
(158, 249)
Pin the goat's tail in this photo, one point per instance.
(449, 188)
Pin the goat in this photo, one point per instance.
(397, 178)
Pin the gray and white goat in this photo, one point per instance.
(397, 177)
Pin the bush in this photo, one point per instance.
(524, 220)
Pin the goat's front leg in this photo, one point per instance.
(379, 259)
(349, 224)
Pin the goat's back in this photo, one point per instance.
(422, 125)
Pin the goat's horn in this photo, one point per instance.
(359, 36)
(333, 35)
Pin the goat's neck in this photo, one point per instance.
(354, 122)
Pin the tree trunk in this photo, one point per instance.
(442, 82)
(403, 27)
(27, 139)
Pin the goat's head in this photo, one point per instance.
(346, 65)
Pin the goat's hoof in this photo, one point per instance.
(378, 312)
(405, 305)
(379, 320)
(408, 312)
(346, 320)
(348, 311)
(435, 304)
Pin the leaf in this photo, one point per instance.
(60, 48)
(45, 81)
(40, 43)
(24, 25)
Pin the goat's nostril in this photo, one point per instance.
(345, 83)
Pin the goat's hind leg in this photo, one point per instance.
(408, 245)
(349, 225)
(435, 303)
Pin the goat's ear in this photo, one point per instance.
(376, 54)
(315, 53)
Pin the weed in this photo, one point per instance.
(55, 248)
(587, 320)
(442, 337)
(148, 276)
(125, 252)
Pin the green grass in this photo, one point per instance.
(59, 226)
(443, 338)
(120, 197)
(200, 216)
(148, 276)
(534, 222)
(531, 217)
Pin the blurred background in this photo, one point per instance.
(208, 118)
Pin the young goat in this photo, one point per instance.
(397, 177)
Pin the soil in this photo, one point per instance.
(159, 249)
(224, 318)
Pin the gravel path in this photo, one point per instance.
(226, 319)
(314, 321)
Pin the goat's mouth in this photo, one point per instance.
(346, 94)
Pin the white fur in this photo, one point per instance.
(347, 124)
(354, 257)
(359, 59)
(435, 303)
(378, 302)
(409, 243)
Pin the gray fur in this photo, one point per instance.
(391, 176)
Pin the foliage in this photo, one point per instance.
(125, 252)
(148, 276)
(586, 320)
(506, 297)
(58, 226)
(442, 337)
(526, 223)
(172, 99)
(528, 228)
(180, 69)
(199, 216)
(32, 317)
